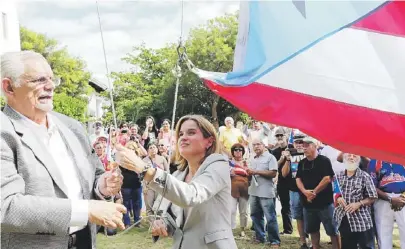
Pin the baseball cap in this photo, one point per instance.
(309, 140)
(298, 136)
(280, 131)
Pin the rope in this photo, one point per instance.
(117, 168)
(177, 73)
(182, 20)
(106, 68)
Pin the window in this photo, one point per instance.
(4, 25)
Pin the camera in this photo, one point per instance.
(133, 138)
(294, 152)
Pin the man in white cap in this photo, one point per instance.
(314, 180)
(98, 131)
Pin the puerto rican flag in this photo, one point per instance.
(333, 69)
(336, 191)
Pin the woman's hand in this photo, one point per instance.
(127, 159)
(159, 228)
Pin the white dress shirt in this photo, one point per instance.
(53, 141)
(332, 154)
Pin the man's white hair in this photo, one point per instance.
(13, 65)
(229, 118)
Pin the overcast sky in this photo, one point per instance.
(125, 24)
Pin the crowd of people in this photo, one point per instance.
(56, 178)
(267, 162)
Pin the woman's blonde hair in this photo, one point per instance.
(206, 128)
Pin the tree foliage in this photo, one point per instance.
(149, 88)
(69, 96)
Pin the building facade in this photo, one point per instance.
(96, 103)
(9, 27)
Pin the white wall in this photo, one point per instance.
(95, 109)
(9, 27)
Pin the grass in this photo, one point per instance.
(140, 238)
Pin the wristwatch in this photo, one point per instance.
(390, 199)
(143, 173)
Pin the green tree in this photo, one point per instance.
(70, 106)
(149, 88)
(69, 96)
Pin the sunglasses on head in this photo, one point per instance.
(238, 149)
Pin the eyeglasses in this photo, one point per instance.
(238, 149)
(45, 80)
(299, 142)
(279, 135)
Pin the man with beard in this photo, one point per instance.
(282, 183)
(289, 173)
(353, 214)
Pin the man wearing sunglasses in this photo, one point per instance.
(314, 180)
(291, 159)
(50, 174)
(282, 182)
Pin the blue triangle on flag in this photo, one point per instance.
(300, 5)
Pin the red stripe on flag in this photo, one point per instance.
(389, 19)
(350, 128)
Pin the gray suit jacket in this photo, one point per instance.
(201, 208)
(35, 211)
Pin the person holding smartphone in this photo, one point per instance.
(292, 156)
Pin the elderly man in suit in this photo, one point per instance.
(50, 176)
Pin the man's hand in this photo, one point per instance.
(287, 155)
(341, 202)
(352, 207)
(397, 203)
(110, 183)
(159, 228)
(127, 158)
(106, 214)
(309, 194)
(251, 172)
